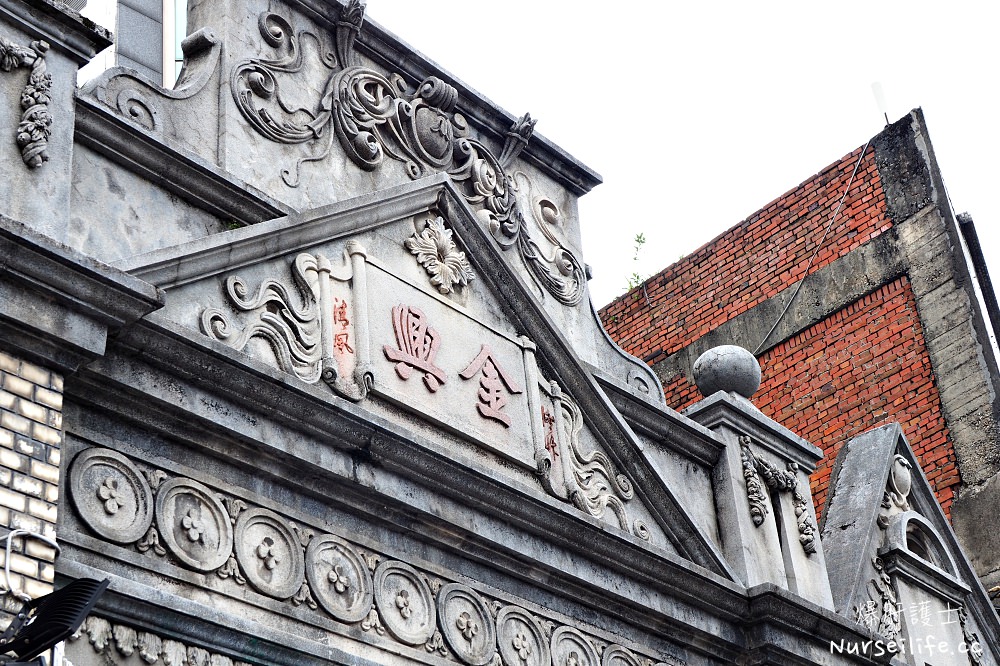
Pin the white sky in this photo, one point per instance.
(699, 113)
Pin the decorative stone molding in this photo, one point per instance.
(104, 637)
(308, 328)
(588, 480)
(384, 598)
(436, 251)
(880, 613)
(776, 481)
(35, 128)
(373, 117)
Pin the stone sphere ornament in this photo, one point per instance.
(727, 368)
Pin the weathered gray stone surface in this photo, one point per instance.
(375, 420)
(889, 545)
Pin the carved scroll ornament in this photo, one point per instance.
(588, 480)
(35, 128)
(306, 326)
(373, 117)
(757, 474)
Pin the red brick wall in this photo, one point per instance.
(751, 262)
(860, 368)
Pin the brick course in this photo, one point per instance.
(751, 262)
(30, 439)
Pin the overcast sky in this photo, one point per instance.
(697, 114)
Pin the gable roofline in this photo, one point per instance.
(207, 257)
(850, 523)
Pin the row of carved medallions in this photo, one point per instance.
(210, 532)
(35, 127)
(373, 116)
(760, 474)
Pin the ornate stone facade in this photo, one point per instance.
(333, 393)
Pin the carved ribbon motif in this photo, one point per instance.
(777, 481)
(35, 128)
(306, 331)
(373, 117)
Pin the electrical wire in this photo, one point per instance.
(819, 247)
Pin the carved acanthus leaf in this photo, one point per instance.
(150, 647)
(436, 251)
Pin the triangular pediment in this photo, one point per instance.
(401, 302)
(894, 562)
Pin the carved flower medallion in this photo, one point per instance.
(521, 638)
(436, 251)
(194, 524)
(339, 578)
(466, 625)
(111, 496)
(404, 602)
(616, 655)
(572, 648)
(269, 553)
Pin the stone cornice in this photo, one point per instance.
(58, 305)
(176, 170)
(60, 26)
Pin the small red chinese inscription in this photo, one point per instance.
(492, 382)
(548, 421)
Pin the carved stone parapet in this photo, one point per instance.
(374, 117)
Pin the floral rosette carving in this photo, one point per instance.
(466, 624)
(435, 250)
(269, 553)
(111, 495)
(339, 578)
(404, 603)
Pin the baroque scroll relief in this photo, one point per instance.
(313, 329)
(758, 474)
(587, 480)
(373, 117)
(354, 587)
(35, 127)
